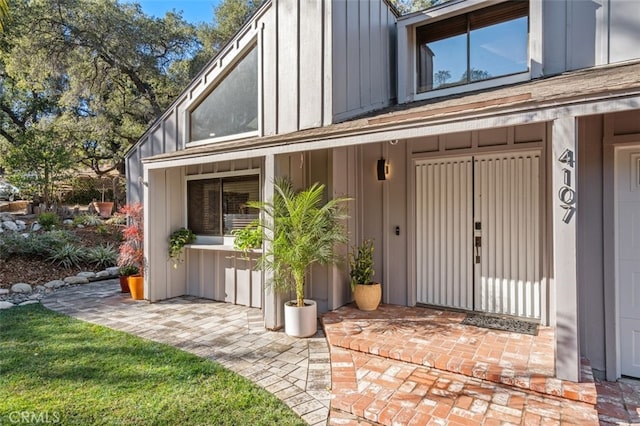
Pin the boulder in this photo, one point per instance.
(80, 225)
(21, 288)
(29, 302)
(67, 222)
(6, 305)
(21, 224)
(11, 226)
(76, 280)
(103, 274)
(6, 217)
(87, 274)
(3, 291)
(55, 284)
(113, 270)
(36, 227)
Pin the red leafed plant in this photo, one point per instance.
(132, 247)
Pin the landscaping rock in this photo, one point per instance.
(80, 225)
(6, 217)
(103, 274)
(6, 305)
(76, 280)
(87, 274)
(21, 288)
(11, 226)
(3, 291)
(21, 224)
(55, 284)
(67, 222)
(112, 270)
(36, 227)
(29, 302)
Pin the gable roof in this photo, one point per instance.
(590, 85)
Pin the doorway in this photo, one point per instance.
(478, 233)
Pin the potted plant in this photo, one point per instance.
(301, 231)
(177, 240)
(125, 272)
(132, 248)
(366, 293)
(248, 238)
(104, 207)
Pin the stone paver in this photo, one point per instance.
(296, 370)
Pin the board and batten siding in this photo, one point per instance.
(363, 38)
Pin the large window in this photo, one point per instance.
(488, 43)
(217, 206)
(232, 107)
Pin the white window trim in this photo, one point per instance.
(214, 240)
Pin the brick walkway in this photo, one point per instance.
(420, 366)
(296, 370)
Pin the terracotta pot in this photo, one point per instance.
(301, 322)
(124, 283)
(104, 208)
(136, 285)
(368, 296)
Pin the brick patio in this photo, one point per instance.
(400, 365)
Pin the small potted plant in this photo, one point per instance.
(248, 238)
(125, 272)
(366, 293)
(177, 240)
(132, 248)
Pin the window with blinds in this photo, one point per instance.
(487, 43)
(217, 206)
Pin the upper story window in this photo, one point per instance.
(232, 106)
(487, 43)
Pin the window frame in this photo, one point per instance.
(226, 240)
(504, 79)
(211, 86)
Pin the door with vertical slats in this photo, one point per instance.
(444, 212)
(478, 233)
(507, 213)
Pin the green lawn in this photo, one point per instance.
(56, 368)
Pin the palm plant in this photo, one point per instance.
(301, 231)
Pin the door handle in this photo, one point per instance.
(478, 244)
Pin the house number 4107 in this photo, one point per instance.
(567, 194)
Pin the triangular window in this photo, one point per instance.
(231, 108)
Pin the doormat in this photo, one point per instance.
(501, 323)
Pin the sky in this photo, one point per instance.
(193, 11)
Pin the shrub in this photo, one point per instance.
(87, 220)
(102, 256)
(247, 238)
(67, 256)
(126, 270)
(48, 220)
(15, 244)
(177, 240)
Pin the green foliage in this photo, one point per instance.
(302, 230)
(248, 238)
(103, 256)
(48, 220)
(177, 240)
(361, 264)
(67, 256)
(87, 220)
(35, 244)
(96, 375)
(409, 6)
(126, 270)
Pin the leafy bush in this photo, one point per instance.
(87, 220)
(102, 256)
(67, 256)
(48, 220)
(35, 244)
(126, 270)
(247, 238)
(177, 240)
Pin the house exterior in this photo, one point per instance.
(491, 149)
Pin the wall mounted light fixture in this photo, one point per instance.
(383, 169)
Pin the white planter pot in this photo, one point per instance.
(301, 322)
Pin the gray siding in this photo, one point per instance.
(363, 40)
(595, 32)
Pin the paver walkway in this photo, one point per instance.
(296, 370)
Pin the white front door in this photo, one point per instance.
(478, 233)
(628, 258)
